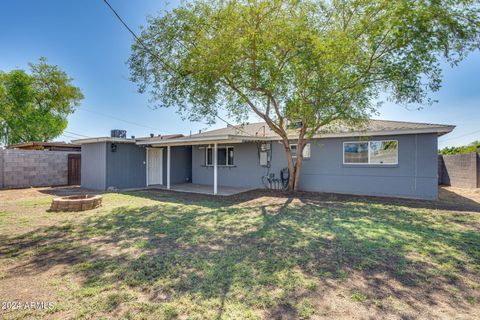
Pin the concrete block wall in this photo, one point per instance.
(478, 170)
(1, 169)
(460, 170)
(33, 168)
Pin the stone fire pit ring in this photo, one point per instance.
(76, 203)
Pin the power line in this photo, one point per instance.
(77, 134)
(123, 120)
(154, 55)
(136, 37)
(69, 137)
(464, 135)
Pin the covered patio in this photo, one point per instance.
(201, 189)
(157, 145)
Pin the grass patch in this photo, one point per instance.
(358, 296)
(150, 255)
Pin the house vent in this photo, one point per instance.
(115, 133)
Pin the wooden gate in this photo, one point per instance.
(74, 161)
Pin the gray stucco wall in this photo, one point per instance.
(180, 165)
(94, 166)
(414, 177)
(33, 168)
(246, 171)
(126, 167)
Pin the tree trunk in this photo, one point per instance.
(298, 167)
(291, 164)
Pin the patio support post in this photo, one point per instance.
(168, 167)
(215, 169)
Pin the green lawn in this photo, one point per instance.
(154, 255)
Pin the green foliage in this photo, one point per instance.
(358, 296)
(34, 106)
(311, 61)
(471, 147)
(317, 60)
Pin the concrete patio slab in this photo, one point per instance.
(202, 189)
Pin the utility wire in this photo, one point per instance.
(123, 120)
(165, 64)
(162, 61)
(69, 137)
(77, 134)
(463, 135)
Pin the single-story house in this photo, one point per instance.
(381, 158)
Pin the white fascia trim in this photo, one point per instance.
(103, 139)
(199, 140)
(437, 130)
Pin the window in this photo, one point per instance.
(384, 152)
(224, 156)
(293, 149)
(371, 152)
(306, 151)
(209, 157)
(355, 152)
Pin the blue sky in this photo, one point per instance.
(86, 41)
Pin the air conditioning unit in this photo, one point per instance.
(116, 133)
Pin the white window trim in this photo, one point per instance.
(368, 150)
(219, 165)
(296, 144)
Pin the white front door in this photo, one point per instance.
(154, 166)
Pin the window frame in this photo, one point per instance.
(226, 156)
(369, 163)
(296, 152)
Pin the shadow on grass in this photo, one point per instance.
(448, 200)
(225, 258)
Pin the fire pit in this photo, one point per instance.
(76, 203)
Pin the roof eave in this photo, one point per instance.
(441, 130)
(102, 139)
(438, 130)
(200, 140)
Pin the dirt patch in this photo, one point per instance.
(38, 193)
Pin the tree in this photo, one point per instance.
(473, 146)
(35, 106)
(318, 63)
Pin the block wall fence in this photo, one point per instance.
(33, 168)
(459, 170)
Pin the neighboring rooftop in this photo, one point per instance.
(51, 146)
(164, 137)
(126, 140)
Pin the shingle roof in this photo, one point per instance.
(261, 129)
